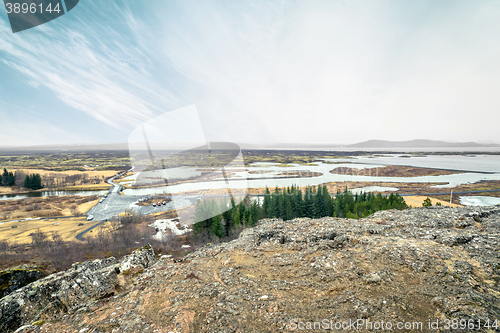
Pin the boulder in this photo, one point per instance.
(64, 291)
(16, 277)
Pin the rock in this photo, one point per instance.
(16, 277)
(67, 291)
(411, 265)
(372, 278)
(141, 258)
(437, 301)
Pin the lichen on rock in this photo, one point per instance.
(66, 291)
(411, 265)
(16, 277)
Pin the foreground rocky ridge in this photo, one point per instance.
(67, 292)
(415, 265)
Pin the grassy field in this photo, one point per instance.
(295, 156)
(46, 207)
(417, 200)
(68, 180)
(19, 232)
(87, 187)
(89, 179)
(47, 173)
(61, 161)
(11, 190)
(393, 171)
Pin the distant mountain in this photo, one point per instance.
(418, 144)
(272, 146)
(293, 146)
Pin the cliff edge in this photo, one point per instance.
(420, 265)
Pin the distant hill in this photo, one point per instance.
(293, 146)
(274, 146)
(66, 148)
(418, 144)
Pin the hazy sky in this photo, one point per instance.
(257, 71)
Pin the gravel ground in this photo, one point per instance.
(413, 266)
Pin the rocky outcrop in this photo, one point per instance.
(16, 277)
(411, 266)
(66, 292)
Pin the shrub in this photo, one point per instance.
(427, 202)
(38, 238)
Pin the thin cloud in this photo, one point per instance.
(340, 72)
(105, 81)
(267, 71)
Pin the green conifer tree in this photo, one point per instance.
(267, 203)
(27, 181)
(216, 227)
(236, 216)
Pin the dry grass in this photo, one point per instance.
(45, 207)
(66, 228)
(393, 171)
(74, 179)
(9, 190)
(417, 200)
(82, 208)
(90, 173)
(300, 174)
(118, 180)
(88, 187)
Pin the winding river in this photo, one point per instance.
(258, 175)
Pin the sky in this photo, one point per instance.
(255, 71)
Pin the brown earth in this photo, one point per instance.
(300, 174)
(156, 199)
(259, 172)
(46, 207)
(407, 266)
(393, 171)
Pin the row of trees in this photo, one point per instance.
(7, 178)
(365, 204)
(54, 179)
(317, 202)
(220, 218)
(33, 181)
(221, 225)
(291, 203)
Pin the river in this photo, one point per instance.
(482, 167)
(477, 168)
(49, 194)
